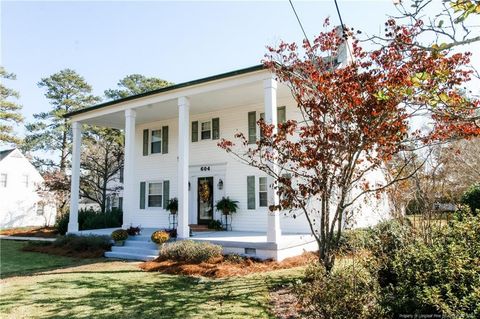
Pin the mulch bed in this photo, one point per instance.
(285, 304)
(221, 268)
(45, 232)
(48, 248)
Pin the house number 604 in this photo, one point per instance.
(205, 168)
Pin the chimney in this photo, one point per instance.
(345, 50)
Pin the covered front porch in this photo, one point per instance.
(252, 244)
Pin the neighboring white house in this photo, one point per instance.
(20, 202)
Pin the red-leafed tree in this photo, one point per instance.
(356, 117)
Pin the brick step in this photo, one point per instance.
(199, 228)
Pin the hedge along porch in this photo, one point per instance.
(171, 150)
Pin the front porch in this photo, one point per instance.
(252, 244)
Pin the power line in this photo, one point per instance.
(299, 22)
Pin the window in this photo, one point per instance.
(25, 180)
(3, 180)
(281, 114)
(40, 209)
(195, 131)
(262, 192)
(120, 203)
(155, 194)
(206, 130)
(121, 174)
(156, 142)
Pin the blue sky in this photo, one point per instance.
(176, 41)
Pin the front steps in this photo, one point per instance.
(198, 228)
(135, 248)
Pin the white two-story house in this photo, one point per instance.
(171, 137)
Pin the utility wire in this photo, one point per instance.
(299, 22)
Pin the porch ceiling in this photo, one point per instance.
(246, 94)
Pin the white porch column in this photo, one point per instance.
(75, 178)
(183, 230)
(270, 99)
(128, 168)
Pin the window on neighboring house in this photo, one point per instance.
(155, 194)
(121, 174)
(40, 209)
(262, 192)
(3, 180)
(25, 180)
(156, 142)
(206, 130)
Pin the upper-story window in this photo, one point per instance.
(208, 130)
(252, 122)
(3, 180)
(156, 142)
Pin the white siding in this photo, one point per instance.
(19, 203)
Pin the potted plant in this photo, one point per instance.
(227, 206)
(119, 236)
(160, 237)
(133, 231)
(172, 206)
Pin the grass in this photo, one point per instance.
(121, 290)
(14, 261)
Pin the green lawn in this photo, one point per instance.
(17, 262)
(108, 289)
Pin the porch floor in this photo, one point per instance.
(236, 241)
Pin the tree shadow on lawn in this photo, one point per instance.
(146, 296)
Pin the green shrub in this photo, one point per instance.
(83, 243)
(347, 292)
(72, 246)
(439, 277)
(353, 240)
(471, 198)
(190, 251)
(119, 234)
(91, 219)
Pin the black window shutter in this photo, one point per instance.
(166, 193)
(250, 192)
(142, 195)
(165, 140)
(281, 114)
(215, 128)
(195, 131)
(252, 127)
(145, 142)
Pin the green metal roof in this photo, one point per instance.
(168, 88)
